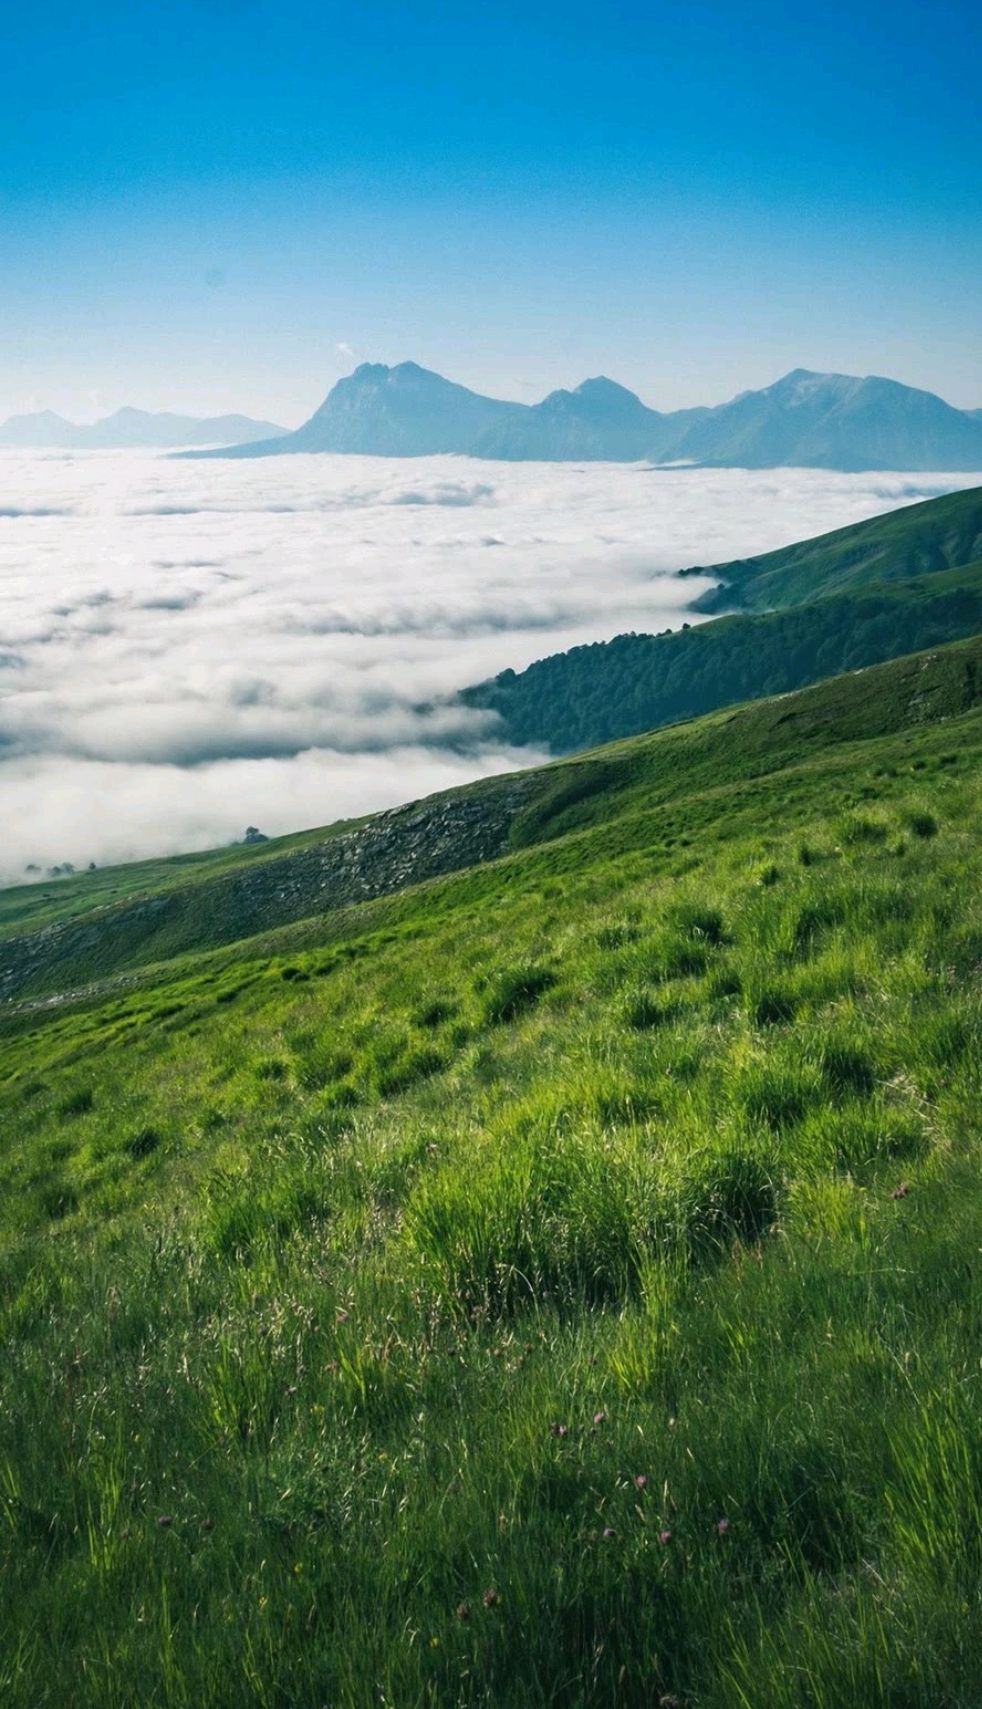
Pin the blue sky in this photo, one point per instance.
(218, 205)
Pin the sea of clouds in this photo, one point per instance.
(190, 647)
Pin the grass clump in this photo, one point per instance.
(725, 1196)
(645, 1011)
(78, 1103)
(144, 1143)
(699, 921)
(272, 1068)
(923, 824)
(571, 1297)
(513, 990)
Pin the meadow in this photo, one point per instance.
(552, 1284)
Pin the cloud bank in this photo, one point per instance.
(187, 648)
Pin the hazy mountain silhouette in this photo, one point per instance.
(829, 421)
(599, 420)
(405, 411)
(836, 421)
(130, 429)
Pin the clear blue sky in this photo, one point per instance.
(207, 204)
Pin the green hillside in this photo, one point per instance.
(918, 539)
(59, 936)
(552, 1282)
(599, 692)
(871, 592)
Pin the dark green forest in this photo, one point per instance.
(618, 688)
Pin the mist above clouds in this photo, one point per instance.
(188, 647)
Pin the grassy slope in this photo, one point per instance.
(50, 902)
(846, 600)
(483, 1295)
(919, 539)
(214, 907)
(615, 688)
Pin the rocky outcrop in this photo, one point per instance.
(392, 851)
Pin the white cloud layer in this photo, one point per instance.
(190, 647)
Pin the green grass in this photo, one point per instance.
(555, 1283)
(58, 901)
(920, 539)
(665, 788)
(610, 689)
(858, 597)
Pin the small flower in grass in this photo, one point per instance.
(559, 1429)
(599, 1418)
(607, 1532)
(490, 1598)
(901, 1191)
(164, 1520)
(721, 1527)
(463, 1611)
(664, 1538)
(640, 1480)
(207, 1525)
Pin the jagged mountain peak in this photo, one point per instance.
(806, 418)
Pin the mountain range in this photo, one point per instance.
(130, 430)
(828, 421)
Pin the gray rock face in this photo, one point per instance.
(396, 849)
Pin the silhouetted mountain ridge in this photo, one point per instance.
(806, 419)
(130, 429)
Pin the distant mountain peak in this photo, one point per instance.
(130, 429)
(806, 419)
(602, 390)
(803, 383)
(128, 413)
